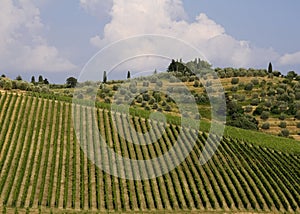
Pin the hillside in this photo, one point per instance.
(43, 169)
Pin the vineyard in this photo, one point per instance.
(43, 168)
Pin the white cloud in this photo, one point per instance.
(167, 17)
(22, 45)
(290, 59)
(98, 8)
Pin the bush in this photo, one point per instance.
(155, 106)
(168, 108)
(284, 133)
(281, 117)
(265, 126)
(265, 115)
(297, 116)
(80, 96)
(298, 125)
(282, 124)
(115, 87)
(234, 88)
(159, 83)
(153, 79)
(151, 101)
(235, 80)
(255, 81)
(196, 84)
(255, 102)
(139, 99)
(248, 109)
(248, 87)
(146, 84)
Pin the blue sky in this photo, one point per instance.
(57, 38)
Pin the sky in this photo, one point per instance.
(57, 39)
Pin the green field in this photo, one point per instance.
(43, 169)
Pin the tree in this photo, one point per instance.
(128, 75)
(284, 133)
(71, 82)
(265, 115)
(234, 80)
(46, 81)
(270, 68)
(291, 75)
(265, 126)
(33, 80)
(41, 80)
(104, 77)
(19, 78)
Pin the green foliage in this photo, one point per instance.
(284, 133)
(265, 115)
(104, 80)
(282, 124)
(235, 80)
(270, 68)
(71, 82)
(19, 78)
(265, 126)
(243, 121)
(248, 87)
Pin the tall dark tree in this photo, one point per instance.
(128, 75)
(41, 80)
(33, 80)
(270, 68)
(71, 82)
(104, 77)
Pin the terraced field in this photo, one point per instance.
(43, 169)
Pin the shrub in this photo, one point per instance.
(248, 87)
(115, 87)
(255, 81)
(265, 115)
(159, 83)
(235, 80)
(151, 101)
(248, 109)
(282, 117)
(284, 133)
(139, 99)
(155, 106)
(255, 102)
(234, 88)
(144, 104)
(265, 126)
(153, 79)
(196, 84)
(282, 124)
(298, 125)
(297, 116)
(168, 108)
(146, 84)
(146, 97)
(80, 96)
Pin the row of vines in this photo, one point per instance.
(44, 164)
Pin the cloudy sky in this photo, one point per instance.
(57, 38)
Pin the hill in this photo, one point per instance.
(44, 169)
